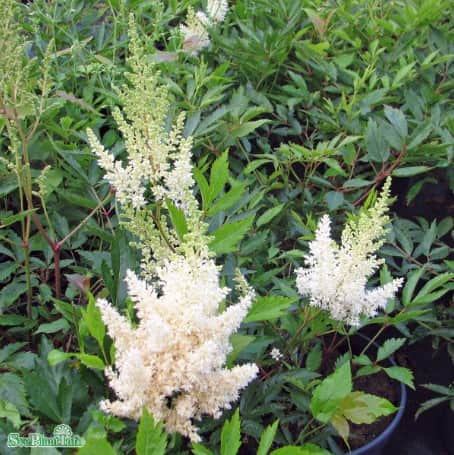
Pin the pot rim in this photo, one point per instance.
(382, 437)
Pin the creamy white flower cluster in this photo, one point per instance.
(335, 276)
(172, 361)
(195, 30)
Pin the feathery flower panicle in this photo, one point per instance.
(157, 163)
(335, 276)
(217, 9)
(171, 362)
(195, 30)
(195, 33)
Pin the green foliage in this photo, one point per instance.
(334, 401)
(151, 440)
(295, 112)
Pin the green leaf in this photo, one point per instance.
(410, 286)
(96, 445)
(389, 347)
(367, 370)
(401, 374)
(397, 120)
(178, 219)
(91, 361)
(247, 127)
(93, 319)
(330, 392)
(376, 145)
(52, 327)
(7, 269)
(360, 407)
(356, 183)
(334, 199)
(151, 439)
(340, 424)
(10, 412)
(269, 308)
(269, 215)
(9, 350)
(42, 396)
(430, 404)
(314, 358)
(203, 187)
(219, 175)
(227, 237)
(227, 200)
(231, 436)
(433, 284)
(267, 439)
(12, 390)
(238, 342)
(306, 449)
(198, 449)
(410, 171)
(55, 357)
(15, 218)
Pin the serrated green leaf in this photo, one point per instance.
(410, 285)
(314, 358)
(198, 449)
(238, 342)
(10, 412)
(433, 284)
(227, 237)
(227, 200)
(397, 120)
(401, 374)
(219, 175)
(269, 215)
(178, 219)
(360, 407)
(376, 145)
(267, 438)
(330, 392)
(151, 438)
(7, 269)
(389, 347)
(92, 318)
(231, 435)
(247, 128)
(268, 308)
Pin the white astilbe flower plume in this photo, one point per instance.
(335, 276)
(217, 9)
(195, 30)
(172, 361)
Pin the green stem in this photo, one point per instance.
(28, 278)
(372, 340)
(307, 319)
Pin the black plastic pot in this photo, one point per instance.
(376, 446)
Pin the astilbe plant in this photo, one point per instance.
(171, 361)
